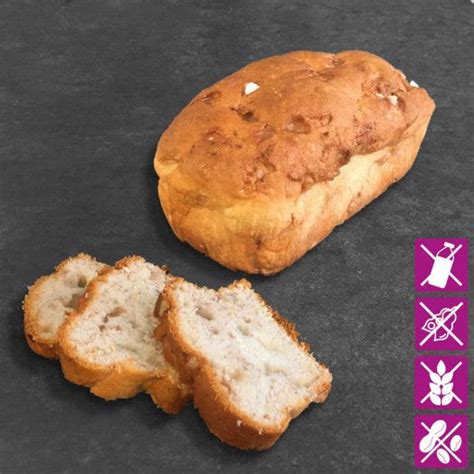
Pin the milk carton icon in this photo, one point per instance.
(442, 265)
(442, 262)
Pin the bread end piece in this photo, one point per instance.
(219, 413)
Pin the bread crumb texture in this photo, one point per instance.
(52, 298)
(117, 323)
(251, 375)
(108, 344)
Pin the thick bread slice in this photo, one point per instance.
(52, 298)
(250, 374)
(108, 343)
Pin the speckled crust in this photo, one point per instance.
(255, 181)
(122, 380)
(46, 347)
(221, 415)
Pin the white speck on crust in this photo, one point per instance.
(393, 99)
(380, 96)
(250, 87)
(413, 83)
(239, 422)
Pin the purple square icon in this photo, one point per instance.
(441, 264)
(441, 442)
(441, 383)
(441, 324)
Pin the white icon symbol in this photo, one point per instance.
(441, 386)
(442, 264)
(432, 442)
(440, 326)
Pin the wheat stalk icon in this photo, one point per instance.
(441, 385)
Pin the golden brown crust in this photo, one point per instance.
(221, 415)
(267, 237)
(169, 392)
(235, 170)
(222, 420)
(50, 351)
(321, 108)
(44, 346)
(122, 380)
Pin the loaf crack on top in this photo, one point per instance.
(317, 109)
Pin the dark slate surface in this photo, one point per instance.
(86, 88)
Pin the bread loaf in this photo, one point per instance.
(52, 298)
(248, 372)
(262, 165)
(107, 344)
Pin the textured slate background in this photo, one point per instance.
(86, 88)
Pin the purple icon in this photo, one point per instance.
(441, 264)
(441, 383)
(441, 324)
(441, 441)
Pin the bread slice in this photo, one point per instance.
(52, 298)
(108, 343)
(249, 373)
